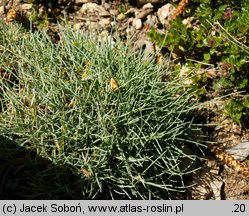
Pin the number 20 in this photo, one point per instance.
(239, 208)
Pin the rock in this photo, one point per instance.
(10, 4)
(1, 10)
(92, 26)
(143, 2)
(25, 7)
(146, 46)
(114, 12)
(106, 6)
(93, 9)
(239, 152)
(216, 187)
(130, 32)
(104, 34)
(152, 20)
(105, 38)
(164, 13)
(105, 23)
(144, 11)
(85, 1)
(148, 6)
(137, 23)
(142, 14)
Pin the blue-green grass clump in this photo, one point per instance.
(127, 141)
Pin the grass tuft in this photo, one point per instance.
(102, 112)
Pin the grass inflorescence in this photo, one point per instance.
(102, 112)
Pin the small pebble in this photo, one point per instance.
(138, 24)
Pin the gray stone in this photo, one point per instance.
(148, 6)
(93, 26)
(105, 22)
(164, 13)
(152, 20)
(106, 6)
(146, 46)
(93, 9)
(142, 14)
(114, 12)
(239, 152)
(143, 2)
(130, 31)
(137, 23)
(85, 1)
(25, 7)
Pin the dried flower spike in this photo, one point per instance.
(11, 15)
(228, 159)
(180, 8)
